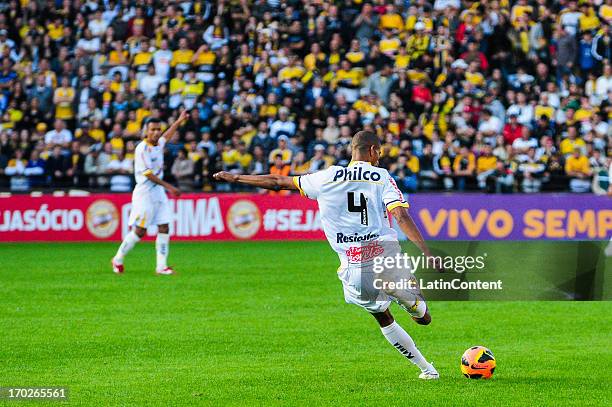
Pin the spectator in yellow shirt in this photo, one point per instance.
(418, 43)
(605, 11)
(577, 167)
(192, 91)
(463, 167)
(347, 81)
(291, 71)
(282, 150)
(118, 60)
(389, 44)
(315, 58)
(519, 10)
(142, 58)
(355, 55)
(229, 157)
(485, 166)
(391, 20)
(182, 57)
(544, 108)
(588, 20)
(177, 85)
(204, 61)
(474, 76)
(270, 108)
(402, 59)
(55, 30)
(63, 98)
(97, 133)
(244, 157)
(571, 142)
(420, 15)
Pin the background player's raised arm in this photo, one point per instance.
(270, 181)
(175, 126)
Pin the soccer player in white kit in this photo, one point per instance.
(150, 204)
(353, 203)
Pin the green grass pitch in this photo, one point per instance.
(266, 323)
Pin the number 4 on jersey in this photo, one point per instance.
(362, 207)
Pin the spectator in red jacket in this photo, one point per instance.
(421, 97)
(512, 130)
(473, 54)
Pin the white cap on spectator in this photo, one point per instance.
(460, 63)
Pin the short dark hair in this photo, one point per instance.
(363, 140)
(151, 120)
(147, 121)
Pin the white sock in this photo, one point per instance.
(162, 246)
(128, 243)
(401, 341)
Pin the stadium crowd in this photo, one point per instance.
(496, 95)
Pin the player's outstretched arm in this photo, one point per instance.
(174, 191)
(270, 181)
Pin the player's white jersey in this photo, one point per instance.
(149, 159)
(353, 204)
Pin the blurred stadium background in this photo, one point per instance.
(498, 96)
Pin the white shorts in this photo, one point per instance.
(360, 288)
(146, 212)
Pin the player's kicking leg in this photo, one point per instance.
(400, 340)
(128, 243)
(359, 289)
(162, 247)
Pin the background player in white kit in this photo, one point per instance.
(149, 200)
(353, 203)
